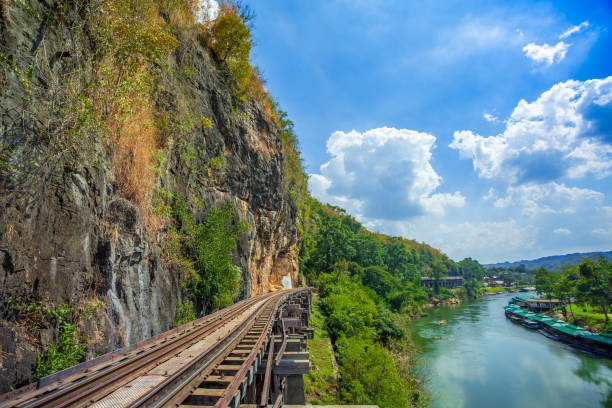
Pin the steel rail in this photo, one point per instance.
(283, 346)
(230, 391)
(174, 386)
(239, 377)
(173, 391)
(267, 376)
(109, 378)
(183, 390)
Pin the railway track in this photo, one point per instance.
(209, 362)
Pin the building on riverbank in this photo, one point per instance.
(521, 301)
(492, 282)
(534, 304)
(449, 282)
(543, 305)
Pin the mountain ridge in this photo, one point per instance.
(554, 261)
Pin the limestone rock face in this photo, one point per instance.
(66, 233)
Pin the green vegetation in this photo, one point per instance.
(230, 39)
(24, 77)
(588, 283)
(216, 163)
(368, 284)
(363, 329)
(296, 180)
(370, 376)
(472, 289)
(592, 320)
(471, 269)
(320, 384)
(70, 347)
(500, 289)
(184, 313)
(517, 275)
(204, 250)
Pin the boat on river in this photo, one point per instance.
(547, 334)
(556, 329)
(530, 323)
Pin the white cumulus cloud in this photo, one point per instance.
(549, 198)
(574, 30)
(546, 54)
(562, 231)
(383, 173)
(565, 132)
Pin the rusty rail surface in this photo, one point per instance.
(95, 380)
(268, 374)
(283, 346)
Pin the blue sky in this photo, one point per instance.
(480, 127)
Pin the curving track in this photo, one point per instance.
(209, 362)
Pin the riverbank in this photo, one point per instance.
(585, 316)
(504, 289)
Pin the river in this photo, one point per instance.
(487, 361)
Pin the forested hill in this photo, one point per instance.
(333, 236)
(555, 261)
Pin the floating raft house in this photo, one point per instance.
(568, 333)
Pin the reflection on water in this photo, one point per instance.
(487, 361)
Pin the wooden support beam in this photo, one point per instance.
(292, 344)
(291, 367)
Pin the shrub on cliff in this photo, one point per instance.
(204, 250)
(70, 347)
(229, 37)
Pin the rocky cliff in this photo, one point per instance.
(71, 231)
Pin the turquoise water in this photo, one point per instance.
(487, 361)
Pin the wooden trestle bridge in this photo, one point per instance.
(251, 354)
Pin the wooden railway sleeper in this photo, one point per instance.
(176, 391)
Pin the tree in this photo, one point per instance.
(438, 271)
(545, 282)
(566, 287)
(509, 280)
(596, 282)
(472, 288)
(371, 251)
(399, 261)
(333, 243)
(471, 269)
(230, 39)
(381, 281)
